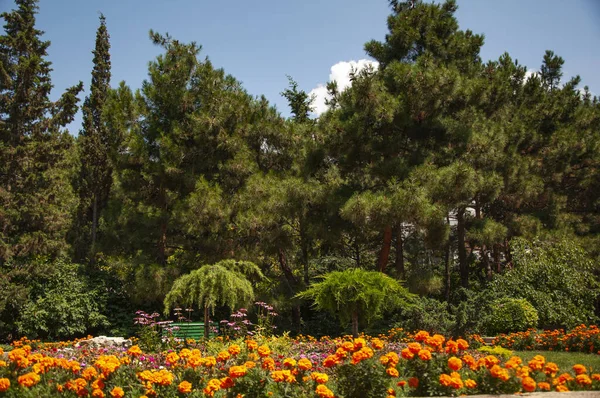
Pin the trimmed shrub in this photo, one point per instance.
(510, 315)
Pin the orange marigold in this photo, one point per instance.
(414, 347)
(134, 350)
(407, 354)
(323, 391)
(234, 349)
(29, 379)
(117, 392)
(237, 371)
(528, 384)
(97, 393)
(392, 372)
(264, 351)
(425, 355)
(223, 356)
(579, 369)
(319, 378)
(454, 363)
(304, 364)
(4, 384)
(583, 380)
(542, 385)
(421, 335)
(470, 383)
(289, 362)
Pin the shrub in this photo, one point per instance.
(364, 380)
(510, 315)
(427, 314)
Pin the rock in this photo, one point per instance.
(105, 342)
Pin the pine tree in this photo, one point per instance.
(95, 144)
(35, 196)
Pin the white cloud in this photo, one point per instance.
(529, 73)
(340, 73)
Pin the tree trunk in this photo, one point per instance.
(462, 252)
(292, 282)
(94, 228)
(384, 255)
(355, 323)
(206, 322)
(162, 243)
(400, 253)
(447, 263)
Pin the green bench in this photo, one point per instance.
(189, 330)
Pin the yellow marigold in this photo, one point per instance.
(237, 371)
(542, 385)
(251, 345)
(323, 391)
(319, 378)
(234, 349)
(264, 351)
(454, 363)
(117, 392)
(134, 350)
(392, 372)
(551, 369)
(213, 386)
(4, 384)
(3, 364)
(304, 364)
(425, 355)
(249, 364)
(583, 380)
(289, 362)
(347, 346)
(185, 353)
(98, 393)
(562, 388)
(470, 383)
(377, 344)
(523, 371)
(29, 379)
(528, 384)
(89, 373)
(359, 343)
(223, 356)
(184, 387)
(283, 375)
(172, 358)
(579, 369)
(209, 362)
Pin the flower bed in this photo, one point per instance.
(581, 339)
(281, 366)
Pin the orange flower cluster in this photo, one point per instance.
(581, 339)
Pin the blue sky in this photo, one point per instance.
(261, 41)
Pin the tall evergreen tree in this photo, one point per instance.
(95, 144)
(36, 200)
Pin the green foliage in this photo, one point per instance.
(364, 380)
(510, 315)
(224, 283)
(427, 314)
(62, 304)
(366, 294)
(556, 278)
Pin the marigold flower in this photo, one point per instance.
(98, 384)
(499, 373)
(562, 388)
(579, 369)
(414, 347)
(392, 372)
(289, 362)
(251, 345)
(4, 384)
(583, 380)
(377, 344)
(462, 344)
(319, 378)
(445, 380)
(304, 364)
(212, 386)
(234, 349)
(226, 382)
(359, 343)
(551, 369)
(542, 385)
(96, 393)
(209, 362)
(268, 363)
(425, 355)
(282, 375)
(421, 335)
(249, 364)
(117, 392)
(264, 351)
(223, 356)
(596, 376)
(347, 346)
(413, 382)
(528, 384)
(324, 392)
(401, 383)
(407, 354)
(29, 379)
(134, 350)
(470, 383)
(237, 371)
(172, 358)
(454, 363)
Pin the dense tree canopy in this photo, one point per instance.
(433, 173)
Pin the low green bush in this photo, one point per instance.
(510, 315)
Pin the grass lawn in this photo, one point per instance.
(565, 360)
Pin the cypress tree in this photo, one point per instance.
(95, 144)
(35, 195)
